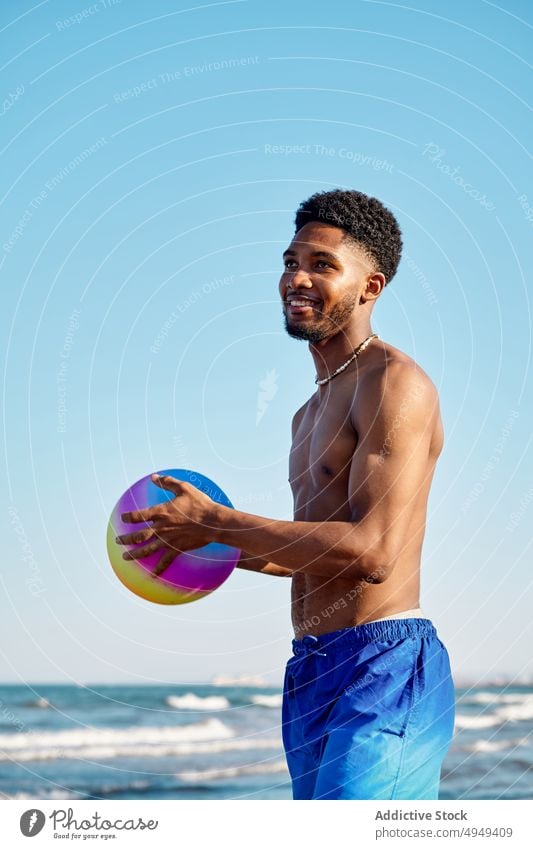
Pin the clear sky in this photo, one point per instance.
(152, 160)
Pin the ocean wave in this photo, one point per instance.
(479, 699)
(488, 746)
(100, 753)
(41, 793)
(98, 790)
(465, 720)
(486, 698)
(209, 737)
(266, 700)
(511, 707)
(107, 742)
(190, 701)
(201, 775)
(40, 703)
(207, 730)
(517, 712)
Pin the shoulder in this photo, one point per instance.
(298, 416)
(393, 384)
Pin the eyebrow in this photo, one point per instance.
(325, 254)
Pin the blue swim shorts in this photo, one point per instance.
(368, 712)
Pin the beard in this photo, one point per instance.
(322, 326)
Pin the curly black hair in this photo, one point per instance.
(365, 221)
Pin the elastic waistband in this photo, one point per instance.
(387, 630)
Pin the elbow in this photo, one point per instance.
(381, 564)
(375, 566)
(379, 572)
(369, 570)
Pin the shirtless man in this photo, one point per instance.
(368, 704)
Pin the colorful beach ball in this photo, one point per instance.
(192, 574)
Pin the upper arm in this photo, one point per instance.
(395, 420)
(296, 421)
(297, 418)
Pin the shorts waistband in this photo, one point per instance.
(413, 613)
(386, 630)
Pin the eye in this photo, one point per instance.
(324, 263)
(289, 262)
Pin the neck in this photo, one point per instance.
(331, 353)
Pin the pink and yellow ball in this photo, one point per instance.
(192, 574)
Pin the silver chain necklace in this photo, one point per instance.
(353, 357)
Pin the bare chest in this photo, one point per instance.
(321, 453)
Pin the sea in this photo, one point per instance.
(220, 741)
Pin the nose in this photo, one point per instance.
(299, 280)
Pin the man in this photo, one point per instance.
(368, 705)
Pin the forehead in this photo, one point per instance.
(314, 236)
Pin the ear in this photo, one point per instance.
(374, 286)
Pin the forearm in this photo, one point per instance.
(326, 549)
(259, 564)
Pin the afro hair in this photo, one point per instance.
(365, 221)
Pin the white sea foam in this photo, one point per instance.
(209, 737)
(105, 789)
(100, 753)
(208, 730)
(102, 789)
(479, 698)
(194, 776)
(190, 701)
(266, 700)
(41, 703)
(464, 720)
(516, 712)
(41, 794)
(487, 698)
(507, 707)
(107, 742)
(497, 745)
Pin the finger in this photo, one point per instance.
(168, 482)
(164, 563)
(144, 550)
(136, 536)
(146, 515)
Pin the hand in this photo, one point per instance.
(185, 523)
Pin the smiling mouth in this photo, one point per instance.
(298, 306)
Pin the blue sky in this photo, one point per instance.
(152, 162)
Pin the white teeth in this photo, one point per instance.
(302, 303)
